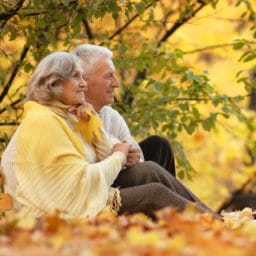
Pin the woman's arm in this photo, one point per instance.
(52, 171)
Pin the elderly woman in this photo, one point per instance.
(55, 166)
(60, 157)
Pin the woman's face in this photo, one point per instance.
(73, 89)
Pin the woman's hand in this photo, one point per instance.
(81, 110)
(122, 147)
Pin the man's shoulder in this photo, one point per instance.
(108, 110)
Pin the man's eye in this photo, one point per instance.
(109, 75)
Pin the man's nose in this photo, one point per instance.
(116, 82)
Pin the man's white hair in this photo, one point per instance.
(90, 54)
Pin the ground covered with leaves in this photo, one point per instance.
(188, 233)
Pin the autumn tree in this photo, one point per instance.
(160, 92)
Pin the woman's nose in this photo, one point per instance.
(83, 83)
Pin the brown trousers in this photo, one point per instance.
(147, 187)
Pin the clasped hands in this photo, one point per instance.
(132, 153)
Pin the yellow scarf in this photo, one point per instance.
(89, 129)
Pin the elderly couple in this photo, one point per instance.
(74, 154)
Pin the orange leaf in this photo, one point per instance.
(1, 176)
(53, 222)
(5, 202)
(199, 136)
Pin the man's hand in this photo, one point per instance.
(133, 156)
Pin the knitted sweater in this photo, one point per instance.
(115, 125)
(57, 170)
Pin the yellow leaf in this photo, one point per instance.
(26, 222)
(236, 218)
(90, 129)
(137, 236)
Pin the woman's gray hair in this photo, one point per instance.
(90, 55)
(43, 84)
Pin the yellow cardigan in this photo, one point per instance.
(53, 171)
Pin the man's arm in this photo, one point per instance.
(115, 124)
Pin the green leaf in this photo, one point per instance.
(191, 128)
(189, 74)
(196, 112)
(215, 101)
(140, 7)
(209, 123)
(237, 45)
(181, 174)
(251, 56)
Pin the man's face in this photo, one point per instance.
(101, 84)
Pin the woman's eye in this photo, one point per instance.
(76, 75)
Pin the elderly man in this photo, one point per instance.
(101, 78)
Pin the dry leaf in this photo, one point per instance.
(5, 202)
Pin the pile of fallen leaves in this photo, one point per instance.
(188, 233)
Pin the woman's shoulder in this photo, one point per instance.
(40, 118)
(33, 110)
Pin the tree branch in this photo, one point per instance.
(180, 23)
(142, 74)
(9, 124)
(13, 104)
(210, 47)
(88, 29)
(4, 17)
(14, 73)
(120, 30)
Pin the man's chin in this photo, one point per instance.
(110, 101)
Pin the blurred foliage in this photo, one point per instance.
(173, 233)
(161, 92)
